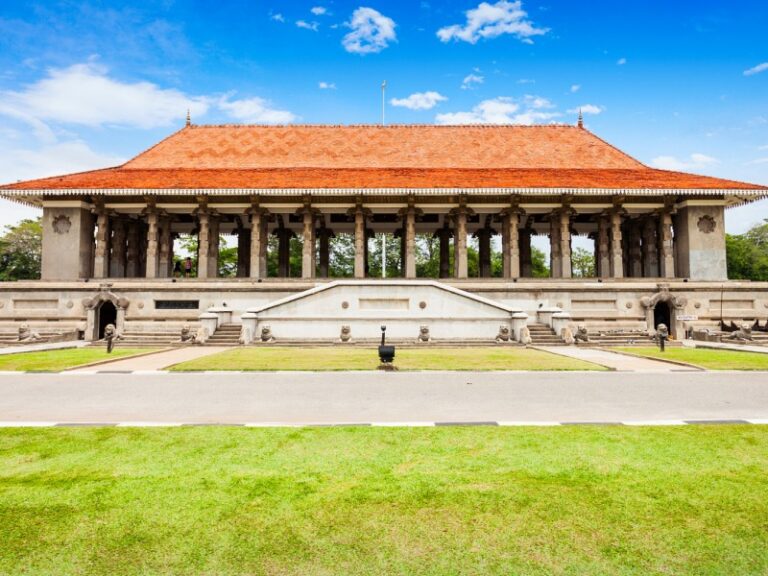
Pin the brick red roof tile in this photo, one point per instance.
(272, 157)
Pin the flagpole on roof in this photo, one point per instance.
(383, 90)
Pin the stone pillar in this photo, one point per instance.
(133, 258)
(165, 266)
(410, 242)
(153, 253)
(603, 255)
(526, 264)
(650, 248)
(555, 263)
(284, 236)
(617, 261)
(308, 249)
(117, 262)
(213, 246)
(444, 236)
(101, 252)
(243, 251)
(666, 249)
(566, 270)
(257, 267)
(460, 242)
(324, 236)
(203, 244)
(361, 242)
(483, 236)
(700, 239)
(635, 249)
(67, 243)
(512, 245)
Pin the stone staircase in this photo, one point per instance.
(225, 335)
(543, 335)
(621, 338)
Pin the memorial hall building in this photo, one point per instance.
(110, 237)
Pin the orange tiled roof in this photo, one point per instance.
(250, 157)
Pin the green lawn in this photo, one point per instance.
(322, 501)
(57, 360)
(708, 358)
(256, 358)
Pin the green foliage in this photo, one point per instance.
(747, 254)
(21, 249)
(394, 264)
(539, 268)
(583, 263)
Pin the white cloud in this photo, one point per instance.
(526, 81)
(371, 32)
(503, 110)
(575, 88)
(695, 161)
(470, 80)
(492, 20)
(419, 101)
(621, 61)
(756, 69)
(255, 110)
(326, 85)
(84, 94)
(757, 161)
(319, 10)
(53, 160)
(277, 17)
(587, 109)
(314, 26)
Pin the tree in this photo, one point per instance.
(189, 244)
(583, 263)
(21, 248)
(747, 254)
(539, 268)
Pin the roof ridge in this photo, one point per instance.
(385, 126)
(616, 148)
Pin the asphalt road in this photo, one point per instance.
(365, 397)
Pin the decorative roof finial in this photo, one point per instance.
(580, 123)
(189, 119)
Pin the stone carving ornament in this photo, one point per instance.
(582, 334)
(424, 334)
(26, 334)
(706, 224)
(503, 335)
(346, 333)
(61, 224)
(266, 334)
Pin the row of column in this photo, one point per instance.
(134, 248)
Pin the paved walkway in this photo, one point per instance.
(376, 397)
(616, 361)
(152, 362)
(725, 346)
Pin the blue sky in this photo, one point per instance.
(677, 84)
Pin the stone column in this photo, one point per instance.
(308, 249)
(165, 267)
(603, 256)
(566, 270)
(284, 236)
(650, 248)
(460, 242)
(243, 251)
(203, 244)
(257, 267)
(213, 246)
(117, 263)
(101, 252)
(361, 242)
(512, 245)
(635, 250)
(666, 248)
(526, 264)
(617, 261)
(555, 263)
(410, 242)
(324, 236)
(153, 254)
(483, 236)
(444, 236)
(132, 255)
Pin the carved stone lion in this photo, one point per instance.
(186, 334)
(424, 334)
(266, 334)
(566, 334)
(26, 334)
(503, 335)
(743, 334)
(245, 335)
(582, 334)
(525, 335)
(346, 333)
